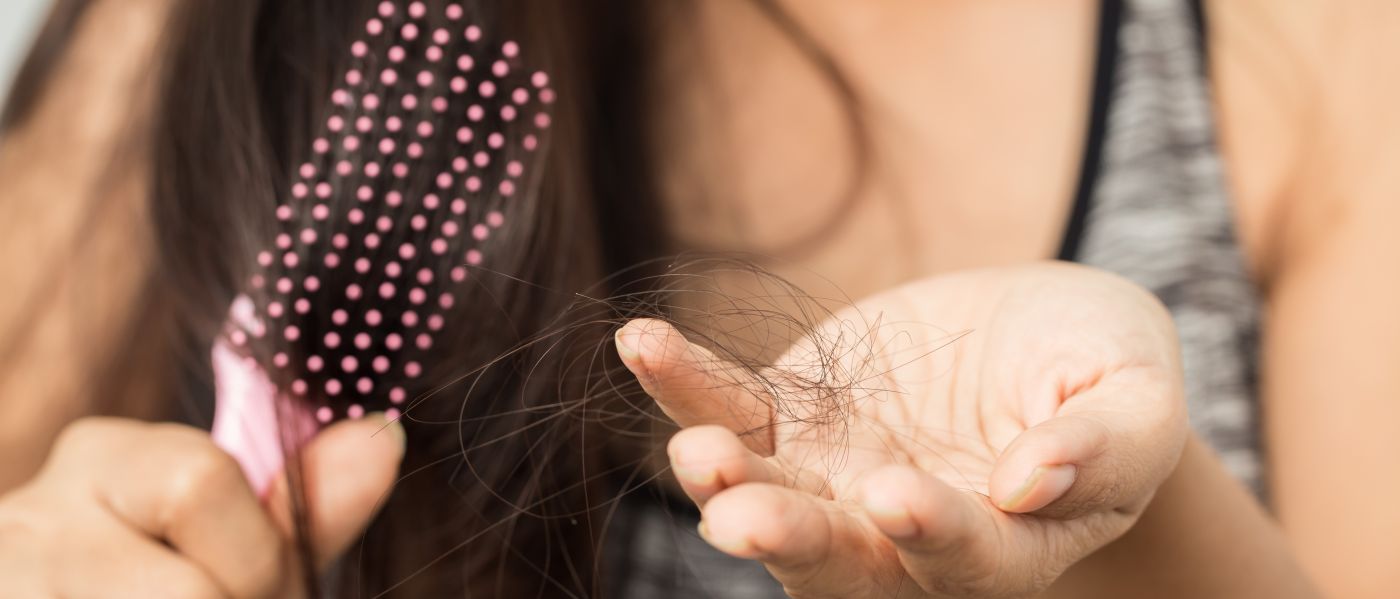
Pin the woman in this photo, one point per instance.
(894, 123)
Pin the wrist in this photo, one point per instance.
(1203, 535)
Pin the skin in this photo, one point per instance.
(1330, 382)
(81, 152)
(1304, 92)
(1300, 90)
(127, 509)
(976, 466)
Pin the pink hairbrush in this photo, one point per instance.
(411, 173)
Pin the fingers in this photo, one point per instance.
(1043, 463)
(709, 459)
(910, 533)
(133, 566)
(919, 513)
(348, 470)
(946, 540)
(59, 542)
(173, 484)
(808, 543)
(1106, 449)
(692, 385)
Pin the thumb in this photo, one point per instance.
(1105, 448)
(1044, 463)
(1085, 462)
(348, 469)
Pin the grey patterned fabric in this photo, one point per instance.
(1159, 215)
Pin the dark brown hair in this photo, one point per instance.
(505, 494)
(494, 499)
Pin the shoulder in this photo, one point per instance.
(1306, 91)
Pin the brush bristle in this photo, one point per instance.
(427, 139)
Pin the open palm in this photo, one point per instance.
(967, 435)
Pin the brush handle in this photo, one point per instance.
(246, 420)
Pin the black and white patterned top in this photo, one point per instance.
(1152, 206)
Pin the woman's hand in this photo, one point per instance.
(980, 463)
(128, 509)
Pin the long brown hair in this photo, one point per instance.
(494, 500)
(505, 494)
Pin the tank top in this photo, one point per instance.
(1151, 205)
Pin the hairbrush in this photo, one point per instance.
(425, 141)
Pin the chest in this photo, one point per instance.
(869, 144)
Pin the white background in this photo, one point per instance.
(19, 21)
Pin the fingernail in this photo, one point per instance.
(626, 341)
(736, 547)
(1045, 485)
(892, 517)
(700, 477)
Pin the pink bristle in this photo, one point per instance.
(404, 185)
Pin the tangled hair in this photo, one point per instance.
(523, 438)
(553, 450)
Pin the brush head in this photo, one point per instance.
(426, 139)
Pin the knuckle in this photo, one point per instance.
(204, 464)
(201, 471)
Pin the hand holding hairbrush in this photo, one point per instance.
(427, 139)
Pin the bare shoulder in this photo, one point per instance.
(1305, 93)
(1308, 90)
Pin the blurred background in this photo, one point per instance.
(19, 20)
